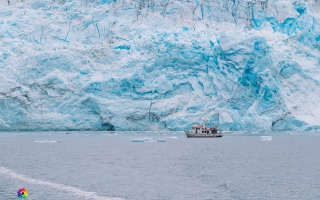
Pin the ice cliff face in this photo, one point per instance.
(159, 64)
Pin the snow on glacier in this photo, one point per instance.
(159, 64)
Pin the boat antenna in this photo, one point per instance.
(205, 122)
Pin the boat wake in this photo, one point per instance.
(76, 191)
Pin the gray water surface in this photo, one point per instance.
(100, 165)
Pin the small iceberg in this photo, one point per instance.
(147, 140)
(225, 132)
(140, 139)
(152, 140)
(172, 137)
(161, 140)
(266, 138)
(45, 141)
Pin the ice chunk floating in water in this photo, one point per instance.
(46, 141)
(155, 65)
(161, 140)
(147, 140)
(266, 138)
(140, 139)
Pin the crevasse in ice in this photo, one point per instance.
(159, 64)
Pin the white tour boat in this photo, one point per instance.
(199, 131)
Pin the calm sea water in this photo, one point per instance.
(99, 165)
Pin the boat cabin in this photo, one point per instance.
(199, 131)
(203, 130)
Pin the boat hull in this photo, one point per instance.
(199, 135)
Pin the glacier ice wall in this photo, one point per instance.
(159, 64)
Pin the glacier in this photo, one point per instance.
(159, 64)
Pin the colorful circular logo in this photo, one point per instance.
(22, 193)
